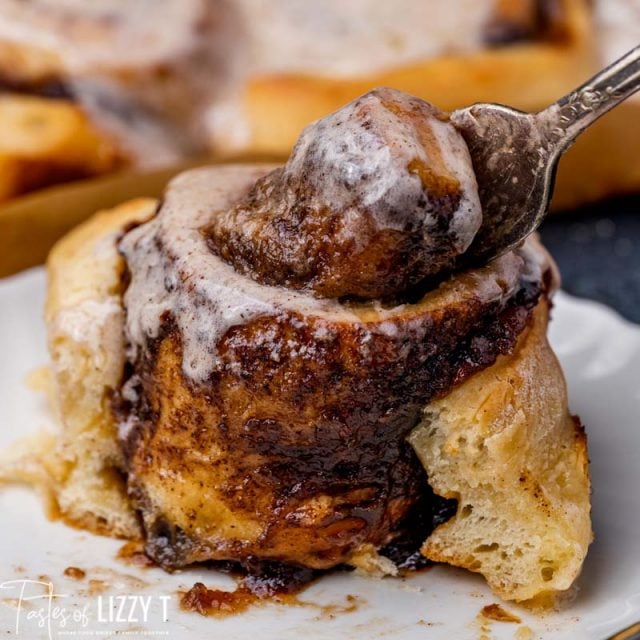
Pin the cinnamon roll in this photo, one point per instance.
(88, 88)
(279, 367)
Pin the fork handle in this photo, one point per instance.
(571, 115)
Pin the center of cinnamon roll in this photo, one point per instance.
(374, 198)
(265, 417)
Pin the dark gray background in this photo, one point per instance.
(598, 251)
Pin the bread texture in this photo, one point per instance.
(505, 447)
(84, 319)
(502, 443)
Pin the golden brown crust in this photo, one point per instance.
(45, 142)
(277, 107)
(603, 162)
(277, 431)
(82, 392)
(30, 225)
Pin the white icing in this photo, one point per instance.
(334, 38)
(468, 217)
(359, 157)
(213, 297)
(85, 321)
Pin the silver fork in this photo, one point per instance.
(515, 154)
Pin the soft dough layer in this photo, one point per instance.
(85, 319)
(504, 446)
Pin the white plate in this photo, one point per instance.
(601, 358)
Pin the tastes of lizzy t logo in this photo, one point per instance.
(38, 606)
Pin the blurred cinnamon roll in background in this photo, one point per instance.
(92, 87)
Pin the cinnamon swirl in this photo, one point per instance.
(296, 378)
